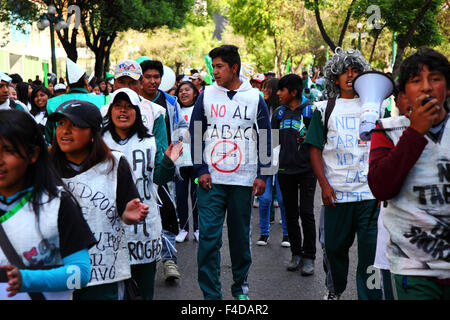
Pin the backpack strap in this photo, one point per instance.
(14, 259)
(330, 106)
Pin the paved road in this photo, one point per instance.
(268, 277)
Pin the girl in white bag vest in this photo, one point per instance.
(103, 184)
(39, 218)
(126, 132)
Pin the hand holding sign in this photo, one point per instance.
(135, 211)
(174, 151)
(15, 279)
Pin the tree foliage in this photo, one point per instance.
(280, 29)
(102, 20)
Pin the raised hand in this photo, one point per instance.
(174, 151)
(135, 211)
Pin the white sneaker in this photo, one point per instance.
(182, 236)
(196, 235)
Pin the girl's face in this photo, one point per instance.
(13, 168)
(12, 93)
(41, 100)
(186, 95)
(74, 141)
(267, 91)
(96, 90)
(50, 87)
(102, 86)
(123, 115)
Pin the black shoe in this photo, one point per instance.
(295, 263)
(262, 241)
(308, 267)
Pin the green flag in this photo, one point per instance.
(45, 65)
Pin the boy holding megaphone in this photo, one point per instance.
(410, 168)
(340, 161)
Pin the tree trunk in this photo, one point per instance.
(323, 32)
(69, 46)
(377, 36)
(404, 41)
(345, 26)
(99, 62)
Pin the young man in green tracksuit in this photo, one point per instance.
(340, 162)
(227, 120)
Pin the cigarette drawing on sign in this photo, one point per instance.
(226, 152)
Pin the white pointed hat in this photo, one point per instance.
(74, 71)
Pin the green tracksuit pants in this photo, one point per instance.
(236, 201)
(341, 224)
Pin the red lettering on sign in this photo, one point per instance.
(220, 112)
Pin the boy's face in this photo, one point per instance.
(4, 91)
(345, 82)
(427, 82)
(223, 73)
(285, 96)
(127, 82)
(151, 79)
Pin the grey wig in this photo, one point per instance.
(337, 65)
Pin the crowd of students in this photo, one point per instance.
(96, 178)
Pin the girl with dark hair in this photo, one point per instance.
(103, 86)
(39, 217)
(39, 98)
(269, 88)
(125, 132)
(23, 96)
(187, 94)
(102, 183)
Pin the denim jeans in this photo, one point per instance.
(265, 201)
(168, 251)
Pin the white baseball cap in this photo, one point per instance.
(59, 86)
(259, 77)
(129, 68)
(132, 96)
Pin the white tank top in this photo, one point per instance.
(144, 239)
(27, 235)
(95, 190)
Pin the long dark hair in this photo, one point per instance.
(22, 92)
(98, 152)
(24, 135)
(34, 108)
(138, 127)
(274, 101)
(196, 92)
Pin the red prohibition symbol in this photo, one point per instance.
(216, 163)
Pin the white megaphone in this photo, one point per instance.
(372, 88)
